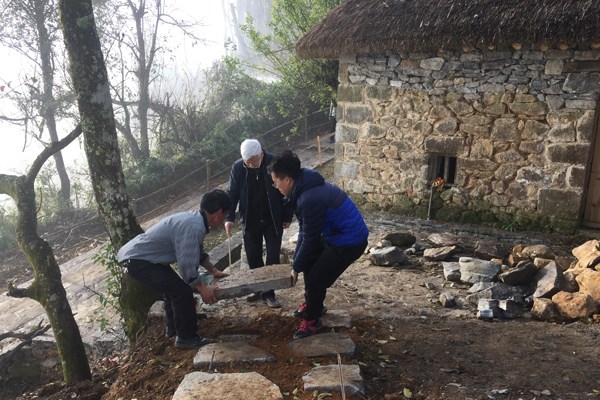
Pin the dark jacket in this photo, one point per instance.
(323, 209)
(238, 193)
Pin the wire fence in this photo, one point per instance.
(214, 173)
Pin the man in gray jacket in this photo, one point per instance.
(178, 238)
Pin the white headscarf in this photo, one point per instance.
(250, 148)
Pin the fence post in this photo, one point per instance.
(207, 175)
(319, 149)
(305, 128)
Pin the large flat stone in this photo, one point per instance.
(337, 318)
(329, 378)
(221, 354)
(244, 282)
(250, 385)
(323, 344)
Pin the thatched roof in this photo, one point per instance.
(377, 26)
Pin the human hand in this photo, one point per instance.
(207, 293)
(294, 278)
(229, 227)
(218, 274)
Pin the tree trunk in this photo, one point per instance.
(48, 103)
(143, 75)
(46, 288)
(90, 80)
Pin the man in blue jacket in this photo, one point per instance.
(332, 234)
(262, 212)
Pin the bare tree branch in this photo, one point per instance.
(37, 331)
(16, 292)
(50, 150)
(26, 340)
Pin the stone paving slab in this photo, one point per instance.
(237, 386)
(328, 378)
(323, 344)
(337, 318)
(227, 353)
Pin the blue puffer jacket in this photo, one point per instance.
(323, 209)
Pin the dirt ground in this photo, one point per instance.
(407, 344)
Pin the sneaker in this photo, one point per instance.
(308, 328)
(170, 332)
(300, 312)
(253, 297)
(192, 343)
(272, 302)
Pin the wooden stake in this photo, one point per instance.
(319, 149)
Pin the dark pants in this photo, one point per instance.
(329, 264)
(253, 244)
(180, 306)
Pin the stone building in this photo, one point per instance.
(498, 98)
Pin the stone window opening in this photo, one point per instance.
(442, 166)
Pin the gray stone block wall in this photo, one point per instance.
(520, 127)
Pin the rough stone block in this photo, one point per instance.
(559, 202)
(575, 153)
(445, 145)
(271, 277)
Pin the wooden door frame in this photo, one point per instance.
(586, 192)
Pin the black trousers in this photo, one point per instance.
(253, 244)
(329, 264)
(180, 306)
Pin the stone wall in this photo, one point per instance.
(519, 123)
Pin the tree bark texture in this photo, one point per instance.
(90, 80)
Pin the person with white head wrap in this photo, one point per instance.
(261, 211)
(250, 148)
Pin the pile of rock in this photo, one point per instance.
(575, 293)
(505, 284)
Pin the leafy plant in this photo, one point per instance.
(509, 224)
(304, 81)
(106, 257)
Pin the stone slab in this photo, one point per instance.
(245, 282)
(219, 255)
(206, 386)
(227, 353)
(328, 378)
(323, 344)
(337, 318)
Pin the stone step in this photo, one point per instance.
(236, 386)
(229, 353)
(330, 378)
